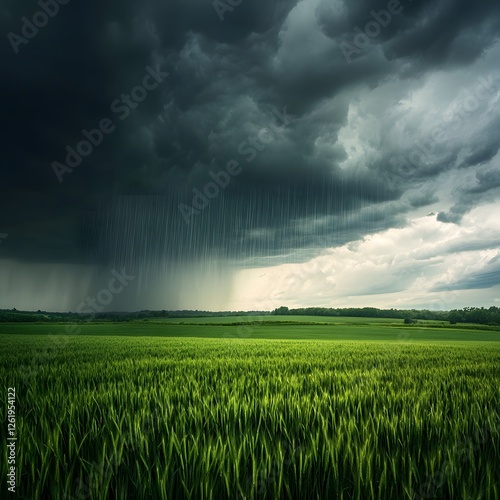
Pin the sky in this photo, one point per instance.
(244, 155)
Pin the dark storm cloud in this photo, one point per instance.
(486, 181)
(427, 33)
(226, 80)
(447, 32)
(487, 185)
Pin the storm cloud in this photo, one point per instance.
(191, 142)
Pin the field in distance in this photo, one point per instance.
(269, 327)
(278, 319)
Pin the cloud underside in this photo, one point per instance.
(282, 130)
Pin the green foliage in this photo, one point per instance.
(281, 311)
(306, 329)
(475, 315)
(125, 417)
(15, 316)
(410, 321)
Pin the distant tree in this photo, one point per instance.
(410, 321)
(281, 311)
(455, 317)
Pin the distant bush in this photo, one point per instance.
(410, 321)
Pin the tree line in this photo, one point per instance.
(15, 316)
(477, 315)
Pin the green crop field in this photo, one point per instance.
(282, 319)
(260, 330)
(255, 411)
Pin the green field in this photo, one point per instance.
(255, 411)
(282, 319)
(264, 331)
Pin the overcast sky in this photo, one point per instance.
(250, 154)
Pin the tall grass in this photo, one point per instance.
(140, 418)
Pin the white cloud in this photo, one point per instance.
(393, 268)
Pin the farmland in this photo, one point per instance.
(356, 409)
(246, 327)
